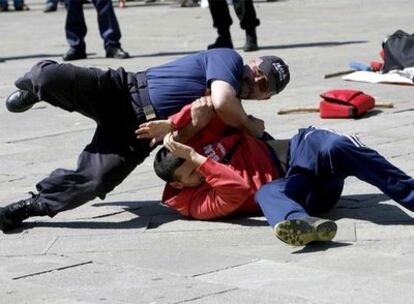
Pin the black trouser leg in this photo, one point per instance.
(103, 165)
(246, 13)
(75, 26)
(114, 151)
(89, 91)
(108, 23)
(220, 14)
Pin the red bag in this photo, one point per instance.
(345, 104)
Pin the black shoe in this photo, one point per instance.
(4, 8)
(74, 54)
(24, 7)
(12, 215)
(251, 41)
(222, 42)
(117, 53)
(21, 101)
(50, 7)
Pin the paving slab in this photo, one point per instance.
(129, 248)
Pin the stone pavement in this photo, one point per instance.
(129, 248)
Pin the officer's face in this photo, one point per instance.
(254, 82)
(187, 176)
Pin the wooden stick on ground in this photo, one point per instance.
(312, 109)
(339, 73)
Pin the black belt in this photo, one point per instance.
(138, 88)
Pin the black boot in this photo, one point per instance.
(74, 54)
(223, 40)
(251, 41)
(115, 52)
(12, 215)
(21, 101)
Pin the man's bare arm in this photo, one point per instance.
(229, 108)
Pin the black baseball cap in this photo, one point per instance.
(276, 72)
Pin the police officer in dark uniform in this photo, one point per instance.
(221, 21)
(75, 29)
(119, 102)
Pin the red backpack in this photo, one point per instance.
(345, 104)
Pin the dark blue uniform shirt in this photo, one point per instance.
(177, 83)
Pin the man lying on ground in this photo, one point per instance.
(291, 181)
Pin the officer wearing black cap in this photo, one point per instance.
(119, 102)
(75, 29)
(276, 71)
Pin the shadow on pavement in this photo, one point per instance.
(320, 246)
(152, 214)
(265, 47)
(37, 56)
(368, 207)
(149, 215)
(182, 53)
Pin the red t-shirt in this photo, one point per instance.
(228, 188)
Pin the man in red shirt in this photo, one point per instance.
(290, 181)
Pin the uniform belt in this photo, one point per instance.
(138, 88)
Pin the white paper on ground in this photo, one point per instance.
(373, 77)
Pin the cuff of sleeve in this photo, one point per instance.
(173, 125)
(208, 167)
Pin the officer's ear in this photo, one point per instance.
(176, 185)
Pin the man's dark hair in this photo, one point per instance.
(165, 164)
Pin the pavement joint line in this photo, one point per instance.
(50, 245)
(51, 270)
(355, 233)
(48, 135)
(207, 295)
(225, 268)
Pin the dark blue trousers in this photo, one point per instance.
(320, 160)
(76, 29)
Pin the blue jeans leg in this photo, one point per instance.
(108, 24)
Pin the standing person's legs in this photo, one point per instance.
(248, 21)
(222, 21)
(75, 29)
(19, 5)
(51, 6)
(109, 29)
(4, 5)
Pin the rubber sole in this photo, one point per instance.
(300, 232)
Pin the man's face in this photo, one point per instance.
(187, 176)
(254, 82)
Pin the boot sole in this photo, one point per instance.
(299, 232)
